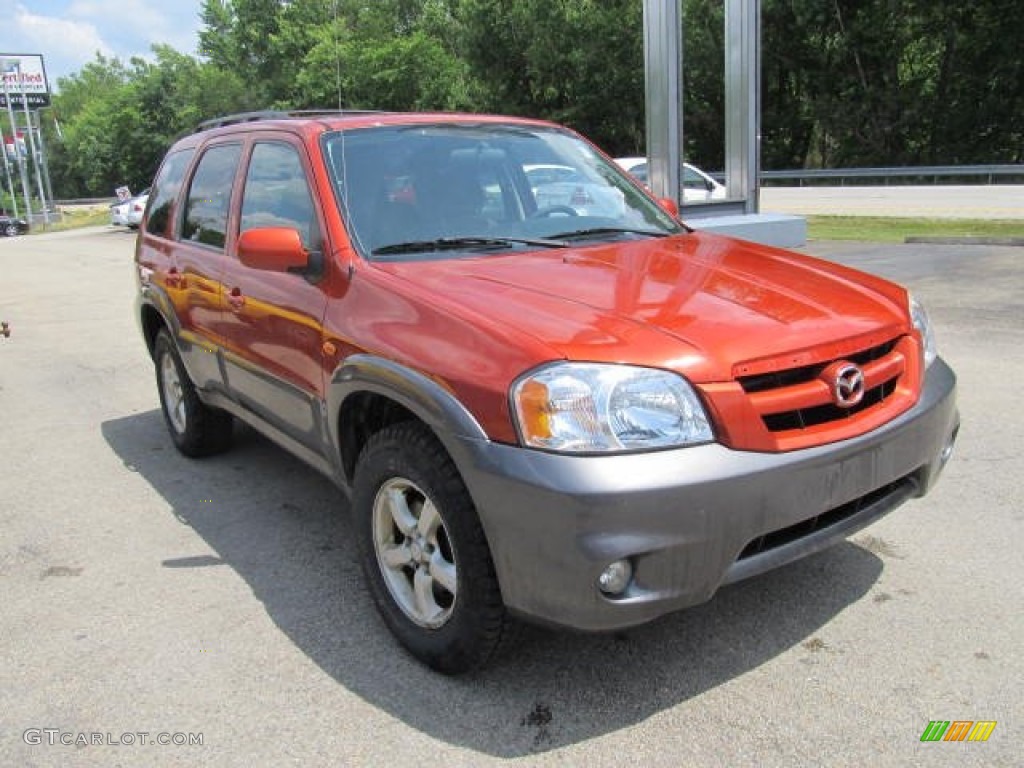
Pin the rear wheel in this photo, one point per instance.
(423, 551)
(196, 428)
(11, 229)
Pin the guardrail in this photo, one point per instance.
(934, 172)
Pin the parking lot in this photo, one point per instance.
(147, 596)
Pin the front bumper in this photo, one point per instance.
(692, 519)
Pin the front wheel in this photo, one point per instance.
(196, 428)
(423, 551)
(11, 230)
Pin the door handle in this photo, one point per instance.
(174, 278)
(236, 299)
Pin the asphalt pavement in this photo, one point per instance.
(148, 597)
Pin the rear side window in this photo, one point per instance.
(277, 194)
(165, 190)
(209, 196)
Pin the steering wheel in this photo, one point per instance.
(551, 210)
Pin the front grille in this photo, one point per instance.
(783, 536)
(780, 379)
(798, 399)
(802, 418)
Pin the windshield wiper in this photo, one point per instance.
(583, 233)
(456, 243)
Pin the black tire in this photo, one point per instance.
(405, 461)
(196, 429)
(11, 230)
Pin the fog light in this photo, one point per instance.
(615, 578)
(947, 450)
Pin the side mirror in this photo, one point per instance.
(277, 249)
(669, 206)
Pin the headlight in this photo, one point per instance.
(594, 407)
(924, 326)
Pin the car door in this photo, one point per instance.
(198, 235)
(273, 320)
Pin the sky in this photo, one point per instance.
(68, 33)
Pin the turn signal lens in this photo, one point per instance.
(535, 411)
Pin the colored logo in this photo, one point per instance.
(958, 730)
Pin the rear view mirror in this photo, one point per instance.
(277, 249)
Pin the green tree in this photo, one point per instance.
(388, 55)
(238, 37)
(118, 120)
(579, 62)
(972, 85)
(871, 82)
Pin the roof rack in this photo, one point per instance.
(273, 114)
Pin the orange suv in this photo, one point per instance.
(586, 416)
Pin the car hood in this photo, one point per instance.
(707, 306)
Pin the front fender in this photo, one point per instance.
(427, 399)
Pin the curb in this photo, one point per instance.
(965, 240)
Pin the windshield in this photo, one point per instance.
(442, 191)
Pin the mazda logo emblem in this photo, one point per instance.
(846, 381)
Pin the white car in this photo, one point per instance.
(563, 187)
(136, 207)
(119, 213)
(698, 187)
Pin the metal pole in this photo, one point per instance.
(42, 159)
(663, 84)
(4, 63)
(7, 174)
(743, 100)
(32, 147)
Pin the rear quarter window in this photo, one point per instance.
(165, 190)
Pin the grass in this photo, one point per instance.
(893, 230)
(75, 218)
